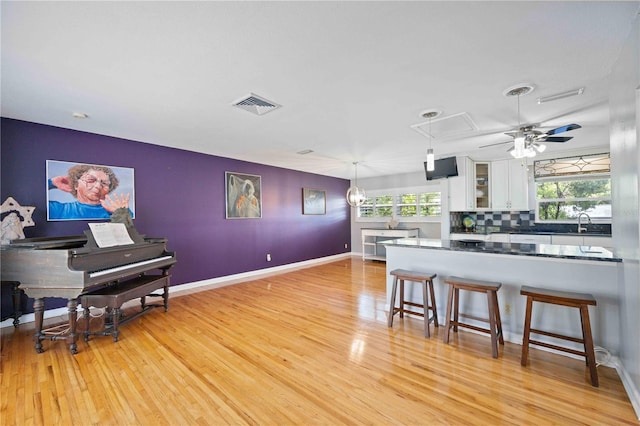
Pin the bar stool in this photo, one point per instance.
(453, 301)
(564, 298)
(426, 278)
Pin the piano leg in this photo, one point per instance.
(16, 295)
(165, 297)
(72, 306)
(116, 319)
(38, 311)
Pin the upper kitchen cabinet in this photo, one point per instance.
(495, 185)
(482, 182)
(460, 190)
(509, 185)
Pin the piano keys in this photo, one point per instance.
(68, 267)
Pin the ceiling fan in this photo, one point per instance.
(527, 140)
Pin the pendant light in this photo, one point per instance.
(430, 114)
(356, 196)
(430, 156)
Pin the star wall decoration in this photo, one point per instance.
(10, 205)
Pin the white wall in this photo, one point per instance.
(624, 102)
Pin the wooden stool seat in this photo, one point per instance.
(426, 278)
(453, 301)
(564, 298)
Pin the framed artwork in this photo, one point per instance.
(243, 195)
(82, 191)
(314, 201)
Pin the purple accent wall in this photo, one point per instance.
(180, 195)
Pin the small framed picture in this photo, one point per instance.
(314, 201)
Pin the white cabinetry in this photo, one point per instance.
(482, 183)
(459, 236)
(530, 239)
(580, 240)
(509, 185)
(606, 242)
(495, 185)
(568, 240)
(500, 238)
(372, 237)
(460, 194)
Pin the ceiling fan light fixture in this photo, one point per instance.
(519, 145)
(539, 147)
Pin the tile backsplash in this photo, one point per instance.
(510, 221)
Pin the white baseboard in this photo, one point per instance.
(629, 386)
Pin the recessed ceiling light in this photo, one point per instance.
(305, 152)
(80, 115)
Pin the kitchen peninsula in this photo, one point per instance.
(583, 269)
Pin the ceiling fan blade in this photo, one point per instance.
(494, 144)
(554, 139)
(563, 129)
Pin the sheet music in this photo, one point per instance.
(110, 234)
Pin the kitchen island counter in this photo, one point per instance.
(581, 269)
(517, 249)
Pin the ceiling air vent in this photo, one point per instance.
(256, 104)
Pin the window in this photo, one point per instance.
(570, 186)
(406, 205)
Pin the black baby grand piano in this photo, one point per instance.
(72, 266)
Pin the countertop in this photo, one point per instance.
(576, 234)
(592, 230)
(517, 249)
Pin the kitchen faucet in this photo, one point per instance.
(580, 228)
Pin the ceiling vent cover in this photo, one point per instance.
(256, 104)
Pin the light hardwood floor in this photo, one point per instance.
(305, 347)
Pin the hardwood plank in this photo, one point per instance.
(309, 346)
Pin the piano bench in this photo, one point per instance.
(114, 296)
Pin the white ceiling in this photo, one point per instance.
(352, 77)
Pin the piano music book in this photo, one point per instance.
(108, 234)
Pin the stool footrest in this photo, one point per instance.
(472, 327)
(556, 347)
(406, 311)
(556, 335)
